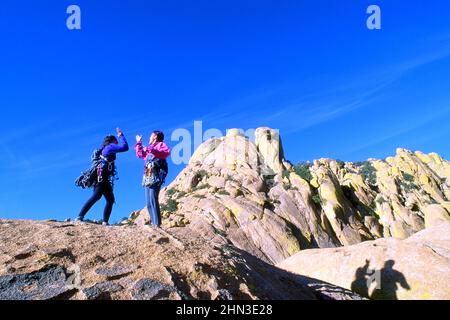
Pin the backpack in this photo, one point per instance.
(155, 173)
(96, 173)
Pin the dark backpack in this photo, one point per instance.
(95, 174)
(155, 173)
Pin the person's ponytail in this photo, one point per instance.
(159, 136)
(109, 140)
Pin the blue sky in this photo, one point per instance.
(308, 68)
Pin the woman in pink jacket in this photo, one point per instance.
(155, 173)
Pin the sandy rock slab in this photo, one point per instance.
(53, 260)
(417, 268)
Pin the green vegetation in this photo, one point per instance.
(171, 206)
(230, 178)
(340, 163)
(171, 192)
(175, 192)
(181, 194)
(231, 271)
(316, 199)
(380, 200)
(368, 171)
(407, 177)
(200, 187)
(408, 184)
(199, 196)
(201, 174)
(269, 180)
(219, 232)
(430, 201)
(223, 192)
(303, 170)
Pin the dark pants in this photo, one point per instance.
(102, 189)
(152, 195)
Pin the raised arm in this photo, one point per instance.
(122, 146)
(141, 152)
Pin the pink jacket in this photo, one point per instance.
(159, 149)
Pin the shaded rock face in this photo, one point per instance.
(115, 272)
(388, 269)
(247, 192)
(102, 291)
(148, 289)
(46, 284)
(90, 262)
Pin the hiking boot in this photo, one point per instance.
(79, 219)
(105, 224)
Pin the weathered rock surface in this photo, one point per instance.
(238, 209)
(415, 268)
(45, 284)
(102, 291)
(90, 262)
(115, 272)
(148, 289)
(249, 193)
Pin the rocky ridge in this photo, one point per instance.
(249, 193)
(84, 261)
(242, 222)
(414, 268)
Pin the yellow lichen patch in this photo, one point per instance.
(234, 209)
(315, 183)
(290, 243)
(398, 231)
(328, 192)
(446, 205)
(357, 180)
(296, 178)
(426, 296)
(406, 167)
(348, 176)
(423, 157)
(330, 213)
(380, 166)
(228, 214)
(390, 160)
(418, 287)
(232, 166)
(256, 198)
(395, 171)
(424, 179)
(436, 158)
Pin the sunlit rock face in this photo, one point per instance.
(248, 192)
(417, 268)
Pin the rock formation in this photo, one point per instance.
(264, 205)
(237, 210)
(415, 268)
(53, 260)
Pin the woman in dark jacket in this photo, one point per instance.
(104, 187)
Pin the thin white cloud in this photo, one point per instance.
(399, 130)
(326, 103)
